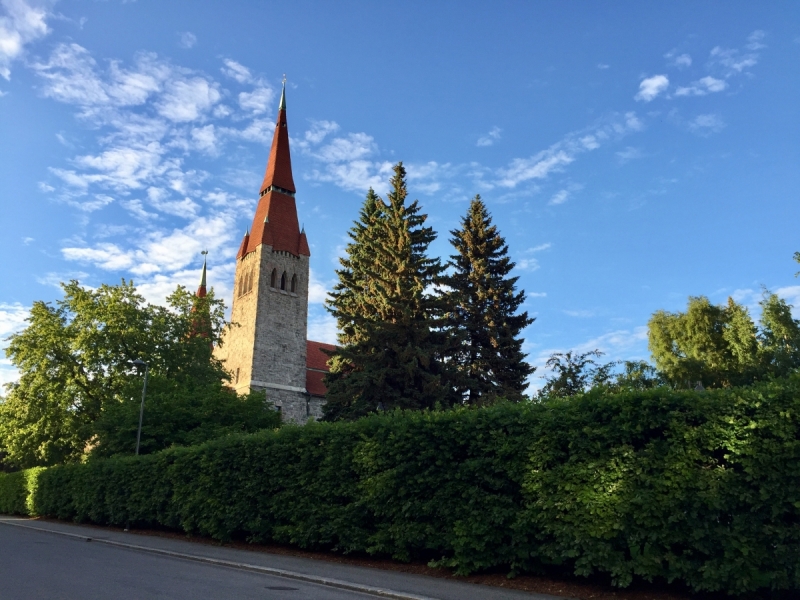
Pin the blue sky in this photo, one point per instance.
(631, 153)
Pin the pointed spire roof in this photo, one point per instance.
(279, 167)
(243, 248)
(275, 222)
(201, 289)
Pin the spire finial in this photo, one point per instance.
(282, 105)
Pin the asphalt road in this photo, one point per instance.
(36, 565)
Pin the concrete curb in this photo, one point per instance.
(334, 583)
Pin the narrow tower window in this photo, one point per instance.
(294, 283)
(283, 281)
(273, 280)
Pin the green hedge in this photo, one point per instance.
(702, 488)
(18, 492)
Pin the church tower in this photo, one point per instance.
(265, 348)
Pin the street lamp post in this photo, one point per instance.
(139, 363)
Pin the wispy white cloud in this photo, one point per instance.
(706, 124)
(188, 100)
(791, 293)
(582, 314)
(161, 251)
(322, 328)
(702, 87)
(317, 290)
(628, 154)
(562, 153)
(528, 264)
(12, 320)
(564, 194)
(490, 138)
(347, 160)
(258, 101)
(755, 39)
(731, 61)
(187, 39)
(21, 23)
(236, 71)
(651, 87)
(559, 197)
(678, 60)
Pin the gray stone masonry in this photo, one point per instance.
(264, 348)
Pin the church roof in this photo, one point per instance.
(275, 222)
(316, 367)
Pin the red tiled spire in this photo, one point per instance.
(243, 248)
(201, 289)
(279, 167)
(275, 223)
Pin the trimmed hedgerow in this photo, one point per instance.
(702, 488)
(17, 491)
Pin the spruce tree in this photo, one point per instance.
(482, 304)
(391, 340)
(351, 301)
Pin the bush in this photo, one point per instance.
(702, 488)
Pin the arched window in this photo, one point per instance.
(294, 283)
(273, 280)
(283, 281)
(250, 281)
(241, 284)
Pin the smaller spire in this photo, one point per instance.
(282, 105)
(201, 290)
(243, 246)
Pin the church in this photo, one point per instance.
(266, 347)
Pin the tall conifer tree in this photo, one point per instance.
(482, 305)
(391, 339)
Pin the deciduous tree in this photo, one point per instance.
(75, 363)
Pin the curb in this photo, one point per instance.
(334, 583)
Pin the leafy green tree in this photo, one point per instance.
(636, 375)
(75, 362)
(720, 346)
(392, 346)
(779, 336)
(483, 318)
(573, 374)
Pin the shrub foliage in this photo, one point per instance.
(700, 487)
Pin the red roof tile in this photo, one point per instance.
(279, 167)
(314, 384)
(315, 357)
